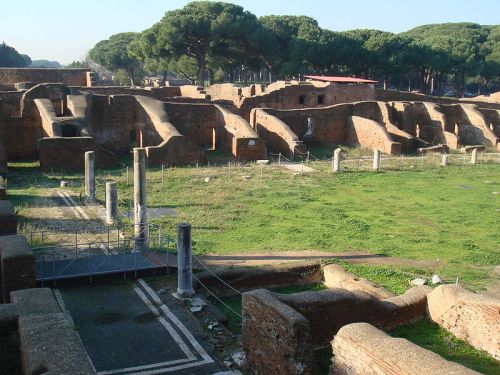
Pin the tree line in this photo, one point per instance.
(218, 40)
(214, 42)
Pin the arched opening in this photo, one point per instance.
(302, 99)
(321, 99)
(68, 130)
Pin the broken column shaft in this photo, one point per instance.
(90, 176)
(111, 202)
(376, 160)
(444, 160)
(336, 160)
(184, 261)
(140, 208)
(473, 156)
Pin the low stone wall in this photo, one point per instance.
(238, 136)
(360, 348)
(337, 277)
(38, 338)
(370, 134)
(469, 316)
(311, 319)
(277, 135)
(70, 77)
(17, 265)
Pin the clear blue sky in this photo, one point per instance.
(64, 30)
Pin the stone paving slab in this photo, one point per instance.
(127, 329)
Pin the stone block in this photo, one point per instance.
(17, 265)
(469, 316)
(360, 348)
(337, 277)
(8, 219)
(50, 344)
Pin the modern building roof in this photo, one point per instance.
(340, 79)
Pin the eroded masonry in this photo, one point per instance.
(57, 116)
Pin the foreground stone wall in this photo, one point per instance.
(360, 348)
(38, 338)
(311, 319)
(276, 338)
(69, 77)
(469, 316)
(17, 265)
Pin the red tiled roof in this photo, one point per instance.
(340, 79)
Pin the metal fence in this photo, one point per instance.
(87, 251)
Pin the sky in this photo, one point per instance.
(65, 30)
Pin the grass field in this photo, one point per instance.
(447, 214)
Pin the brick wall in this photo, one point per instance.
(38, 338)
(8, 219)
(306, 95)
(279, 331)
(69, 77)
(360, 348)
(237, 136)
(65, 154)
(17, 265)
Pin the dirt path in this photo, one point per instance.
(275, 258)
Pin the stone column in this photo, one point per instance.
(444, 160)
(111, 202)
(336, 160)
(376, 160)
(140, 208)
(90, 176)
(473, 156)
(184, 261)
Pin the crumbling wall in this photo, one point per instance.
(305, 95)
(225, 91)
(474, 129)
(38, 338)
(276, 338)
(325, 312)
(8, 219)
(337, 277)
(11, 103)
(64, 154)
(165, 144)
(370, 134)
(195, 121)
(110, 120)
(68, 77)
(492, 117)
(161, 93)
(237, 136)
(469, 316)
(360, 348)
(277, 135)
(17, 270)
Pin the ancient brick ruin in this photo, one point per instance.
(61, 115)
(280, 331)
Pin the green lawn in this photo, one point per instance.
(431, 336)
(446, 214)
(450, 215)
